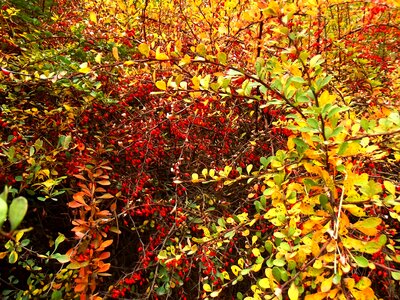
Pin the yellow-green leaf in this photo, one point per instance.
(264, 283)
(201, 49)
(361, 261)
(98, 58)
(221, 58)
(368, 226)
(293, 292)
(390, 187)
(215, 294)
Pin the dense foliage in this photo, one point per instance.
(199, 149)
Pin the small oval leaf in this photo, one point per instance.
(3, 212)
(361, 261)
(17, 211)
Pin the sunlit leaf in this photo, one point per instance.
(144, 49)
(17, 211)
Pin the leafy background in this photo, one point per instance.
(193, 150)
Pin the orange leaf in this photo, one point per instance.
(80, 288)
(78, 197)
(79, 176)
(106, 196)
(105, 244)
(104, 182)
(74, 204)
(103, 268)
(103, 213)
(104, 255)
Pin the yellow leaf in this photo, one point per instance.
(92, 17)
(195, 177)
(326, 98)
(226, 275)
(215, 293)
(264, 283)
(293, 292)
(144, 49)
(83, 68)
(245, 232)
(256, 252)
(129, 63)
(207, 287)
(326, 284)
(185, 60)
(98, 58)
(235, 270)
(121, 5)
(161, 85)
(201, 49)
(317, 264)
(115, 53)
(390, 187)
(317, 296)
(160, 55)
(354, 210)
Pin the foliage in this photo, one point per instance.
(200, 149)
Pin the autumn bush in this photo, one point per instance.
(197, 150)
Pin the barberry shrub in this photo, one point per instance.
(193, 150)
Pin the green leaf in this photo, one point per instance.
(313, 123)
(230, 234)
(4, 194)
(336, 131)
(301, 146)
(372, 222)
(17, 211)
(62, 258)
(3, 211)
(316, 61)
(13, 257)
(276, 273)
(279, 262)
(361, 261)
(56, 295)
(59, 240)
(297, 79)
(221, 58)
